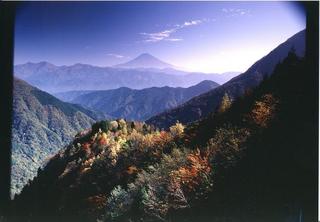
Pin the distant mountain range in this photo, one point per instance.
(200, 106)
(139, 73)
(42, 125)
(133, 104)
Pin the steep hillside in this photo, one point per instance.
(200, 106)
(252, 160)
(42, 125)
(140, 104)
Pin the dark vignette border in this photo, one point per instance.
(7, 15)
(7, 11)
(312, 58)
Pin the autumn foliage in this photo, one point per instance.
(264, 110)
(190, 175)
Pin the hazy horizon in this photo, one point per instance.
(114, 66)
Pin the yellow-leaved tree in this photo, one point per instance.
(225, 103)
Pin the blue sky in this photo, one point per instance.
(198, 36)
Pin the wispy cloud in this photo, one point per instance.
(158, 36)
(165, 35)
(231, 12)
(189, 23)
(174, 39)
(116, 55)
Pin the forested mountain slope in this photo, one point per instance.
(42, 125)
(251, 160)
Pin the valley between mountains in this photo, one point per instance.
(145, 141)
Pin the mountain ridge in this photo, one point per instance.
(203, 104)
(134, 104)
